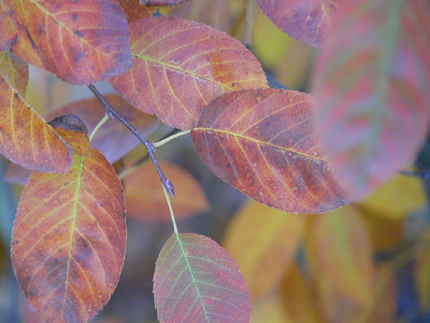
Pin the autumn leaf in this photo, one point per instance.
(161, 2)
(30, 314)
(16, 71)
(196, 281)
(180, 65)
(306, 21)
(262, 142)
(270, 309)
(340, 256)
(134, 10)
(68, 239)
(25, 138)
(371, 84)
(263, 242)
(79, 41)
(8, 33)
(422, 270)
(113, 139)
(146, 200)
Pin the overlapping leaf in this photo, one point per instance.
(180, 65)
(25, 138)
(262, 142)
(306, 21)
(263, 242)
(16, 71)
(340, 255)
(196, 281)
(113, 139)
(68, 240)
(79, 41)
(146, 200)
(8, 32)
(134, 10)
(371, 86)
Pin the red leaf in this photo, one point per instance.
(371, 84)
(306, 21)
(134, 10)
(8, 32)
(113, 139)
(30, 314)
(25, 138)
(196, 281)
(262, 142)
(80, 41)
(146, 200)
(180, 65)
(68, 239)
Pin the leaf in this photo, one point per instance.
(262, 142)
(270, 309)
(79, 41)
(25, 138)
(263, 242)
(196, 281)
(340, 255)
(8, 33)
(146, 200)
(371, 84)
(30, 314)
(68, 239)
(161, 2)
(422, 271)
(306, 21)
(16, 71)
(134, 10)
(113, 139)
(396, 199)
(299, 297)
(16, 174)
(180, 65)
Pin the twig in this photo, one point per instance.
(149, 146)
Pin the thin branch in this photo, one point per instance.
(149, 146)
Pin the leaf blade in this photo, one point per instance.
(269, 150)
(230, 303)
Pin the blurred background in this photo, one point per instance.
(366, 262)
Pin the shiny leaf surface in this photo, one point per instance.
(79, 41)
(306, 21)
(263, 242)
(25, 138)
(68, 239)
(113, 139)
(196, 281)
(180, 65)
(146, 200)
(262, 142)
(371, 84)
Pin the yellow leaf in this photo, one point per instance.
(397, 198)
(263, 242)
(422, 271)
(270, 309)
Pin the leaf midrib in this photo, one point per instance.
(260, 142)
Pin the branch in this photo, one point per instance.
(149, 146)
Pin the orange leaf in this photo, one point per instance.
(68, 239)
(262, 142)
(80, 41)
(25, 138)
(371, 85)
(8, 32)
(263, 242)
(134, 10)
(16, 71)
(113, 139)
(146, 200)
(306, 20)
(180, 65)
(341, 258)
(299, 297)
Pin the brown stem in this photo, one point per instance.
(149, 146)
